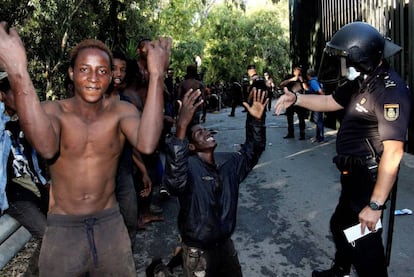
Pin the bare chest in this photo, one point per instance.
(93, 137)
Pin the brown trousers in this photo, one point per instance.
(93, 245)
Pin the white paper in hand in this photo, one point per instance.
(353, 233)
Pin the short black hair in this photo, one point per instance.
(119, 55)
(141, 41)
(251, 66)
(296, 87)
(189, 131)
(191, 72)
(133, 74)
(88, 44)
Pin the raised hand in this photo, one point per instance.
(284, 101)
(12, 52)
(158, 55)
(259, 104)
(186, 110)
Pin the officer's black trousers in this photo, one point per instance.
(367, 255)
(301, 112)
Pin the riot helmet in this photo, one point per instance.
(355, 48)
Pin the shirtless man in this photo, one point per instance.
(83, 137)
(125, 192)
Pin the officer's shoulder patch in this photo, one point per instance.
(388, 82)
(391, 111)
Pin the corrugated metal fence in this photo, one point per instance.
(392, 18)
(315, 21)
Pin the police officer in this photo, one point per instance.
(294, 83)
(370, 140)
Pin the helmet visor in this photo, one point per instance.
(333, 66)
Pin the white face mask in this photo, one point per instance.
(352, 74)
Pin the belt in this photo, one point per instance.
(346, 162)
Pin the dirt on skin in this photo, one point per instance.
(22, 264)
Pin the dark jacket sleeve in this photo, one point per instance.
(176, 164)
(255, 141)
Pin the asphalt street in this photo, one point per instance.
(284, 205)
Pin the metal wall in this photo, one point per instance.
(390, 17)
(316, 21)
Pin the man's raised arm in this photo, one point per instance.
(33, 119)
(158, 56)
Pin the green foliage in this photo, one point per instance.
(50, 28)
(226, 36)
(230, 37)
(237, 39)
(184, 54)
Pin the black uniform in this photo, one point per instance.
(295, 86)
(377, 111)
(235, 94)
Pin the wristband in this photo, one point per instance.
(295, 103)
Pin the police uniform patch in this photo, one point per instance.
(391, 111)
(363, 100)
(388, 82)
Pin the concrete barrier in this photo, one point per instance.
(13, 237)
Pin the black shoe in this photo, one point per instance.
(335, 271)
(149, 270)
(302, 138)
(288, 136)
(176, 260)
(232, 115)
(161, 270)
(157, 268)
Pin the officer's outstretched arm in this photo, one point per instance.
(313, 102)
